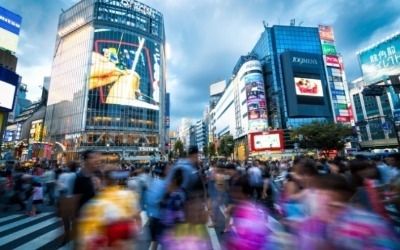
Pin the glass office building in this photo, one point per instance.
(108, 81)
(292, 61)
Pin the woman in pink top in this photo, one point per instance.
(37, 197)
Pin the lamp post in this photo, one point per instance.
(108, 148)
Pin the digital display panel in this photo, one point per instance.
(125, 70)
(381, 60)
(271, 140)
(308, 87)
(7, 95)
(10, 24)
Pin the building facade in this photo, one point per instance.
(377, 116)
(108, 85)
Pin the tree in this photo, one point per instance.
(211, 149)
(226, 145)
(205, 151)
(323, 136)
(178, 148)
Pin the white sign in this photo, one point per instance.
(139, 7)
(7, 93)
(148, 149)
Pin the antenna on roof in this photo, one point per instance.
(292, 22)
(300, 23)
(265, 24)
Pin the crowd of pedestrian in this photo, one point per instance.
(321, 204)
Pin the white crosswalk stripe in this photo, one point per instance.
(22, 232)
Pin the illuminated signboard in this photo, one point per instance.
(328, 48)
(10, 25)
(326, 33)
(35, 134)
(7, 95)
(308, 87)
(332, 61)
(250, 74)
(272, 140)
(381, 60)
(126, 70)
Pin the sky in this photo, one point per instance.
(207, 37)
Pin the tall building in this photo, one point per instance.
(10, 24)
(108, 85)
(292, 76)
(216, 91)
(377, 115)
(184, 131)
(201, 134)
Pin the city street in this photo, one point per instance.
(45, 230)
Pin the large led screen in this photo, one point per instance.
(10, 24)
(308, 87)
(7, 94)
(272, 140)
(381, 60)
(126, 70)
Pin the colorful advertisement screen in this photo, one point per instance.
(7, 95)
(328, 49)
(381, 61)
(256, 104)
(272, 140)
(126, 70)
(326, 33)
(308, 87)
(10, 24)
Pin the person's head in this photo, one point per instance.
(111, 175)
(91, 160)
(230, 169)
(73, 166)
(393, 160)
(256, 162)
(193, 154)
(336, 167)
(331, 192)
(305, 171)
(241, 189)
(360, 170)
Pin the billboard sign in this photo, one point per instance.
(305, 86)
(251, 74)
(326, 33)
(8, 87)
(126, 70)
(380, 61)
(35, 133)
(271, 140)
(332, 61)
(167, 110)
(328, 48)
(308, 87)
(10, 24)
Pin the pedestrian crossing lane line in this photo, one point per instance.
(16, 235)
(10, 217)
(22, 222)
(42, 240)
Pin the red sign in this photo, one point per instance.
(267, 141)
(332, 61)
(326, 33)
(342, 118)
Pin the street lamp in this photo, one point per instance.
(108, 148)
(391, 121)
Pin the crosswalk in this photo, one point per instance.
(43, 231)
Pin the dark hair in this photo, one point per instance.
(396, 156)
(242, 184)
(86, 154)
(73, 166)
(306, 167)
(336, 183)
(342, 168)
(193, 149)
(356, 166)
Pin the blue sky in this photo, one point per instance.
(206, 37)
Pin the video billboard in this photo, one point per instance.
(326, 33)
(271, 140)
(10, 24)
(126, 69)
(380, 61)
(251, 74)
(8, 87)
(308, 87)
(35, 133)
(305, 84)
